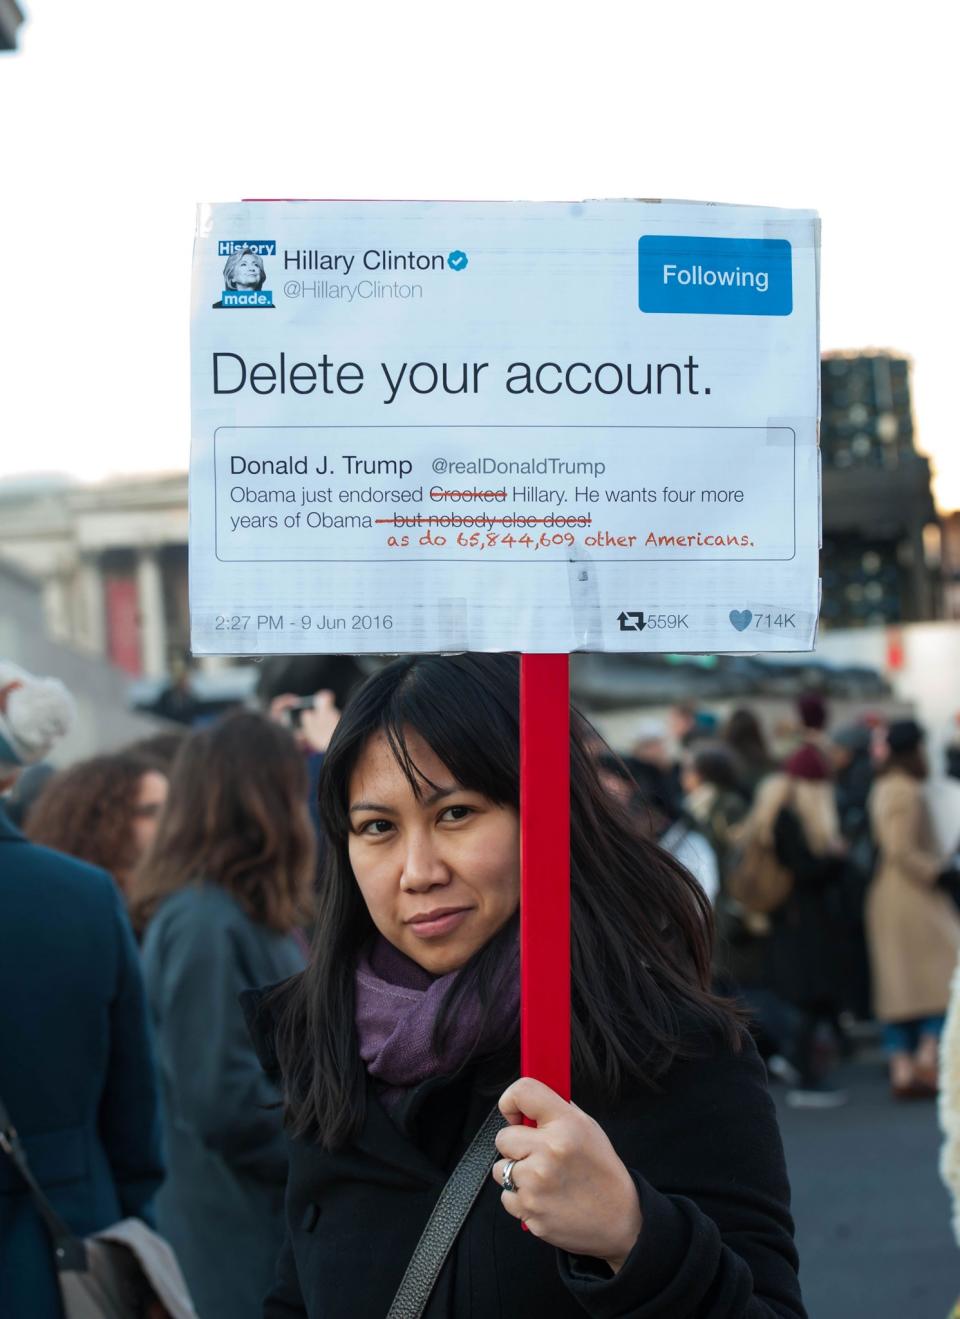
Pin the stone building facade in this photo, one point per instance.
(111, 562)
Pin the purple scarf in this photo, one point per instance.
(397, 1005)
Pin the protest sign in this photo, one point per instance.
(507, 426)
(542, 427)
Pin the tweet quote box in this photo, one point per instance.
(542, 427)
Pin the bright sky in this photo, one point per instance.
(117, 117)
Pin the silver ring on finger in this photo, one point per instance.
(508, 1184)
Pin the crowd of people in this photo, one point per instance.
(834, 901)
(266, 977)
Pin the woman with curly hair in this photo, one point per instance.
(103, 810)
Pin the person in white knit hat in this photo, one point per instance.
(34, 714)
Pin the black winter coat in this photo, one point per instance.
(705, 1151)
(76, 1065)
(806, 948)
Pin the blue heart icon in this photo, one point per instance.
(741, 619)
(457, 260)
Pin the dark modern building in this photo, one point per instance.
(880, 528)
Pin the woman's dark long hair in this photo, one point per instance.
(744, 734)
(236, 816)
(641, 927)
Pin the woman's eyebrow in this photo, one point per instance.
(441, 793)
(432, 800)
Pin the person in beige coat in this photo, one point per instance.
(913, 927)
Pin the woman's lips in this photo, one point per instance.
(438, 925)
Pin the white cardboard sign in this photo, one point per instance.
(440, 426)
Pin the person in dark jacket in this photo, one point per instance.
(221, 894)
(796, 810)
(76, 1065)
(854, 774)
(743, 733)
(661, 1192)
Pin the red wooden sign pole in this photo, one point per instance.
(545, 870)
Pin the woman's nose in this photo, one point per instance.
(423, 866)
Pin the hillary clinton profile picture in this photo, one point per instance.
(243, 271)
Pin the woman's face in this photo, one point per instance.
(246, 273)
(147, 805)
(440, 876)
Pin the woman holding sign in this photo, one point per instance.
(660, 1191)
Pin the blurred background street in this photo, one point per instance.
(873, 1219)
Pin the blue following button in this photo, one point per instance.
(716, 276)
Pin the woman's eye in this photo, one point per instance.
(375, 828)
(456, 813)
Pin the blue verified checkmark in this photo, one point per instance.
(457, 260)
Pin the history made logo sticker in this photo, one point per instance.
(715, 276)
(244, 272)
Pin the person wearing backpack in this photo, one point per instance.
(793, 826)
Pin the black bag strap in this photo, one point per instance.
(68, 1250)
(448, 1217)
